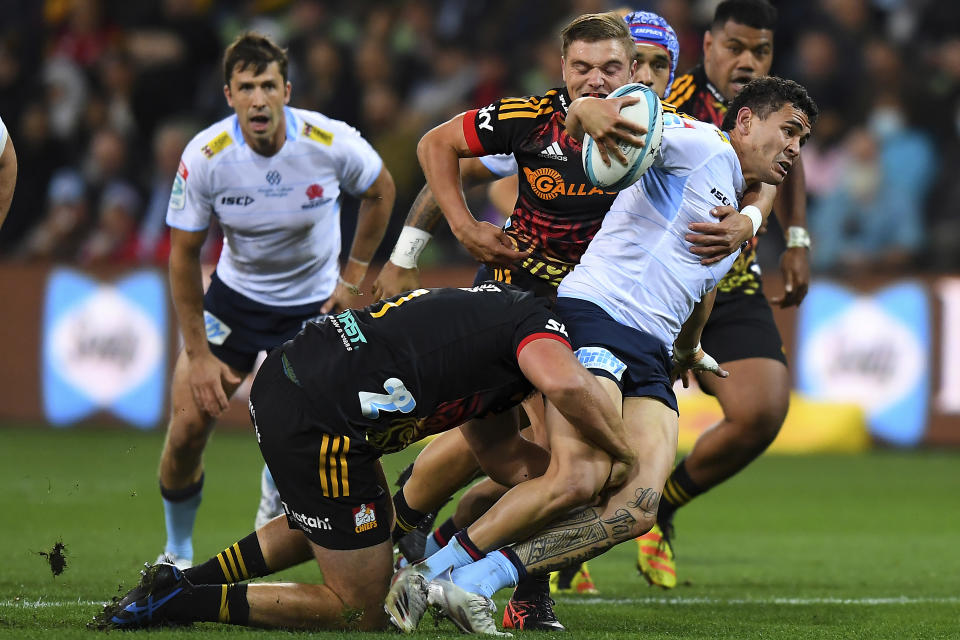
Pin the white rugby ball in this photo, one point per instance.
(617, 176)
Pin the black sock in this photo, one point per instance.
(211, 603)
(678, 491)
(444, 532)
(529, 587)
(241, 561)
(407, 517)
(522, 575)
(179, 495)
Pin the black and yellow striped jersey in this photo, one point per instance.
(557, 211)
(419, 363)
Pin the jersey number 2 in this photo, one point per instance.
(397, 398)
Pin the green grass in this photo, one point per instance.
(805, 547)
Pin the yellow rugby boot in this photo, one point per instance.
(575, 580)
(655, 560)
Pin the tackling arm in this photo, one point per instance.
(791, 207)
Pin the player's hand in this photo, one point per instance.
(394, 279)
(714, 241)
(795, 267)
(600, 118)
(696, 361)
(490, 245)
(341, 299)
(207, 376)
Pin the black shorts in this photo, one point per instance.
(639, 363)
(741, 326)
(519, 278)
(329, 483)
(239, 328)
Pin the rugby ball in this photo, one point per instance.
(617, 176)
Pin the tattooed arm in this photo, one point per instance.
(589, 532)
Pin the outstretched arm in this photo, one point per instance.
(376, 205)
(400, 272)
(791, 207)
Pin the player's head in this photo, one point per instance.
(597, 55)
(255, 72)
(657, 50)
(769, 121)
(738, 47)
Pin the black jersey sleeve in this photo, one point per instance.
(497, 127)
(539, 322)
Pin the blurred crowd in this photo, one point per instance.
(101, 96)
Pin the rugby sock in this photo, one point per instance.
(678, 491)
(211, 603)
(440, 537)
(459, 552)
(498, 569)
(180, 511)
(532, 586)
(407, 517)
(240, 561)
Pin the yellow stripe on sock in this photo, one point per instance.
(233, 565)
(243, 568)
(224, 615)
(224, 568)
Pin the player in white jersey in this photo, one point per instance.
(273, 177)
(624, 305)
(8, 172)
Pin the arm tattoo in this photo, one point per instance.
(425, 212)
(587, 533)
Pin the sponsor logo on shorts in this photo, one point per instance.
(308, 523)
(365, 518)
(217, 331)
(602, 359)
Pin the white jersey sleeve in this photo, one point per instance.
(358, 162)
(191, 202)
(500, 164)
(3, 136)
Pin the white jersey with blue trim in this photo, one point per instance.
(3, 136)
(280, 215)
(638, 268)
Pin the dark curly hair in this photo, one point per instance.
(765, 95)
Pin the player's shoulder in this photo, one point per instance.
(533, 106)
(319, 130)
(688, 142)
(214, 142)
(684, 88)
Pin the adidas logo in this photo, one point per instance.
(553, 152)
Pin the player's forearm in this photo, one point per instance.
(573, 123)
(8, 178)
(692, 329)
(372, 220)
(186, 289)
(590, 410)
(441, 167)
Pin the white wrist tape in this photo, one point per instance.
(682, 354)
(797, 237)
(755, 216)
(409, 245)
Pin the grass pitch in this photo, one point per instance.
(806, 547)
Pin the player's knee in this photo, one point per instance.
(187, 436)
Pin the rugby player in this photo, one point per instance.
(553, 224)
(623, 305)
(8, 172)
(272, 176)
(343, 392)
(741, 332)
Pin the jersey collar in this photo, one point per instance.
(293, 127)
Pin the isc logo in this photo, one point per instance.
(241, 201)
